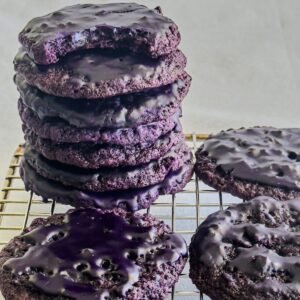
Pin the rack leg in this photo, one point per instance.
(221, 200)
(53, 207)
(201, 296)
(173, 293)
(28, 210)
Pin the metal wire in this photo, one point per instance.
(183, 211)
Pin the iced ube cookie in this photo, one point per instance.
(95, 73)
(131, 199)
(109, 179)
(59, 131)
(93, 156)
(115, 26)
(92, 254)
(130, 110)
(252, 162)
(249, 252)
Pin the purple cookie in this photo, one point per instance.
(252, 162)
(59, 131)
(83, 26)
(94, 156)
(109, 179)
(249, 251)
(130, 110)
(132, 199)
(95, 74)
(92, 254)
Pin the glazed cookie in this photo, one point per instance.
(121, 256)
(252, 162)
(130, 110)
(116, 26)
(249, 252)
(131, 200)
(98, 74)
(94, 156)
(59, 131)
(109, 179)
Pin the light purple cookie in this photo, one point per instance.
(115, 25)
(92, 254)
(109, 179)
(59, 131)
(131, 199)
(129, 110)
(95, 74)
(94, 156)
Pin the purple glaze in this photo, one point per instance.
(96, 74)
(91, 245)
(106, 178)
(59, 131)
(264, 155)
(113, 25)
(251, 246)
(115, 112)
(132, 199)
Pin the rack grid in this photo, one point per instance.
(183, 212)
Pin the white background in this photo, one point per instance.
(244, 57)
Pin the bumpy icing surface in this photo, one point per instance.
(62, 259)
(132, 199)
(121, 111)
(262, 154)
(258, 239)
(114, 25)
(100, 73)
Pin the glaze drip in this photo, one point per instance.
(75, 258)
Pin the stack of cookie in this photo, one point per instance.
(100, 99)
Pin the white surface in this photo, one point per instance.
(244, 57)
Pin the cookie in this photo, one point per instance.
(115, 26)
(252, 162)
(98, 74)
(109, 179)
(92, 254)
(94, 156)
(130, 110)
(59, 131)
(249, 251)
(131, 200)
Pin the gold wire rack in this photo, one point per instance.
(183, 211)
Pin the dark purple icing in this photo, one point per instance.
(114, 25)
(120, 111)
(261, 154)
(132, 199)
(258, 240)
(62, 258)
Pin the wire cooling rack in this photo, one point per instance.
(183, 211)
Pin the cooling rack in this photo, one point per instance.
(183, 211)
